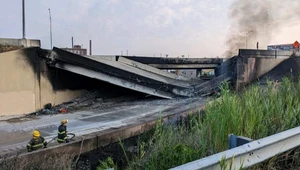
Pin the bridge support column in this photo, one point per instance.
(198, 73)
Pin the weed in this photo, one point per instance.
(123, 149)
(107, 164)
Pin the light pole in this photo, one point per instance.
(50, 28)
(23, 17)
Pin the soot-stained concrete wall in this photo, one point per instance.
(252, 67)
(23, 88)
(27, 83)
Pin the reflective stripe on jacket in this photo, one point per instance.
(62, 133)
(35, 144)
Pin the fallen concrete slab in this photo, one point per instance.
(113, 80)
(133, 63)
(149, 81)
(150, 69)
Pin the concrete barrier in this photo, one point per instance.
(20, 42)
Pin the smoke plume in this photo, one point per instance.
(254, 21)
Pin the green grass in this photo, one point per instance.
(255, 113)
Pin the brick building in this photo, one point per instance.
(77, 49)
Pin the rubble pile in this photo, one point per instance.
(81, 102)
(91, 100)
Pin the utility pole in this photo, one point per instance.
(90, 47)
(23, 20)
(50, 28)
(72, 42)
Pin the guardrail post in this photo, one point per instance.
(235, 141)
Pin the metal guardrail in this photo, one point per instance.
(249, 154)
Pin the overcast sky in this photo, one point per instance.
(143, 27)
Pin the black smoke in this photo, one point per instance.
(253, 21)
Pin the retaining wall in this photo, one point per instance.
(252, 64)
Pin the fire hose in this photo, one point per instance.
(70, 136)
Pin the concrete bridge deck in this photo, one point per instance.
(169, 60)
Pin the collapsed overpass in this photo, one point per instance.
(38, 77)
(130, 74)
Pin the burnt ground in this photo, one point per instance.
(92, 159)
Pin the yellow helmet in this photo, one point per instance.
(64, 121)
(36, 133)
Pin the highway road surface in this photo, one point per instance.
(15, 133)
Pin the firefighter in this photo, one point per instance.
(62, 132)
(37, 142)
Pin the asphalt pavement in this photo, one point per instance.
(16, 132)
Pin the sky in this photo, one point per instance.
(194, 28)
